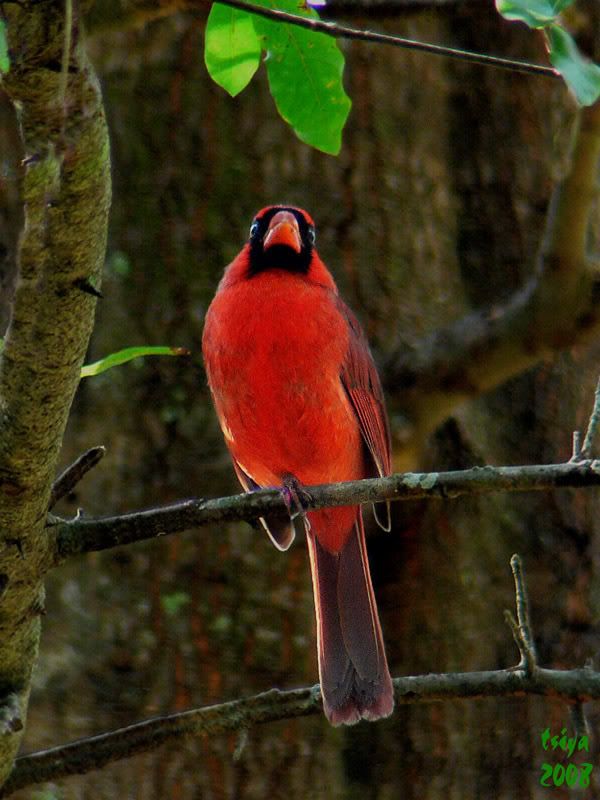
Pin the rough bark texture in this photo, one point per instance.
(66, 191)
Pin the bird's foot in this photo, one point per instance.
(296, 497)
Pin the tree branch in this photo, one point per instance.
(592, 427)
(556, 309)
(521, 627)
(67, 481)
(575, 686)
(81, 535)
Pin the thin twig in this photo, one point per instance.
(83, 534)
(74, 473)
(590, 435)
(576, 452)
(345, 32)
(521, 628)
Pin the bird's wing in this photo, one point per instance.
(363, 387)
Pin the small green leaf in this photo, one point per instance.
(128, 354)
(221, 623)
(119, 263)
(174, 602)
(535, 13)
(4, 57)
(305, 71)
(581, 75)
(231, 48)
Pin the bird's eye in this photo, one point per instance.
(311, 235)
(254, 229)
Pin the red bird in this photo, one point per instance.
(300, 402)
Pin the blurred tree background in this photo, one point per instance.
(435, 206)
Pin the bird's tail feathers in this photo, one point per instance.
(353, 670)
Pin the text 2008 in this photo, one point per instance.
(571, 775)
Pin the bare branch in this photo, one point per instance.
(97, 751)
(79, 757)
(590, 435)
(576, 450)
(521, 627)
(74, 473)
(83, 535)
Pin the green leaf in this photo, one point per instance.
(304, 68)
(221, 623)
(305, 71)
(119, 263)
(128, 354)
(535, 13)
(174, 602)
(581, 75)
(231, 48)
(4, 57)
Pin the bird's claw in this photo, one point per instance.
(296, 497)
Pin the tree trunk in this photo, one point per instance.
(64, 183)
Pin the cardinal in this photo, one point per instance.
(300, 403)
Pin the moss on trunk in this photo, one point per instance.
(66, 195)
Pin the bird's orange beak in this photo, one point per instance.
(283, 229)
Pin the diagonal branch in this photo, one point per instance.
(68, 479)
(81, 535)
(558, 308)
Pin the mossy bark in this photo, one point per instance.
(66, 194)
